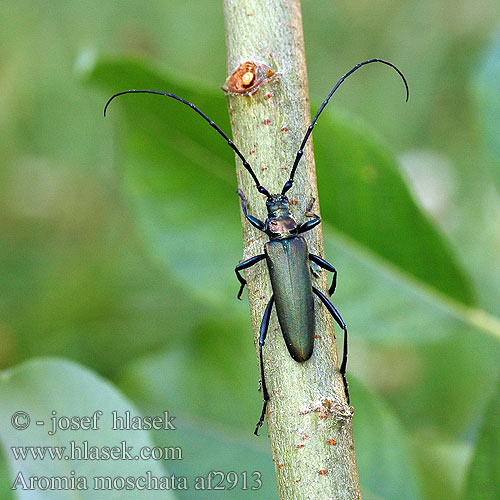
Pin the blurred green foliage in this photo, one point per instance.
(119, 236)
(39, 387)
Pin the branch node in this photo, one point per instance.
(330, 407)
(248, 77)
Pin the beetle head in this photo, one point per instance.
(277, 204)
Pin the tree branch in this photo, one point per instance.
(309, 421)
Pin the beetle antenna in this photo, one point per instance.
(260, 188)
(300, 152)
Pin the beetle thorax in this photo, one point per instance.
(280, 223)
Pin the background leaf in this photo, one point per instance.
(364, 196)
(41, 388)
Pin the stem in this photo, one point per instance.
(309, 421)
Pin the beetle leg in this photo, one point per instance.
(307, 226)
(326, 265)
(244, 265)
(253, 220)
(309, 212)
(262, 338)
(338, 318)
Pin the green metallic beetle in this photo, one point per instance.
(286, 253)
(287, 258)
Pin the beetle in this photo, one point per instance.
(286, 253)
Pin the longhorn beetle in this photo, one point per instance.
(286, 253)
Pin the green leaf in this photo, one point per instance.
(180, 180)
(483, 482)
(363, 194)
(47, 388)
